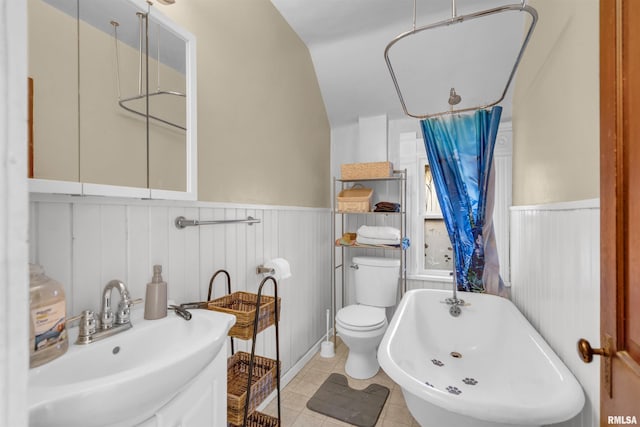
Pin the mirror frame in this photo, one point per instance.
(191, 191)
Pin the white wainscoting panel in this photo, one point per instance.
(429, 284)
(502, 168)
(85, 242)
(555, 275)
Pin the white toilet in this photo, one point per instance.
(362, 325)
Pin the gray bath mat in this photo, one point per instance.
(336, 399)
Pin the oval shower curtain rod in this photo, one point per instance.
(142, 36)
(456, 19)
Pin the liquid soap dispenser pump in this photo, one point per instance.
(48, 332)
(155, 303)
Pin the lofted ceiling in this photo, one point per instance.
(347, 39)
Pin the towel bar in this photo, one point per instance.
(182, 222)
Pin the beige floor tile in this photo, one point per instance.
(307, 420)
(332, 422)
(341, 350)
(271, 409)
(298, 376)
(293, 400)
(339, 369)
(380, 417)
(315, 376)
(392, 423)
(295, 381)
(396, 397)
(305, 388)
(398, 414)
(383, 379)
(314, 414)
(297, 393)
(383, 412)
(289, 416)
(322, 364)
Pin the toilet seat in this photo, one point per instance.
(361, 318)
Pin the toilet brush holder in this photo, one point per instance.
(327, 349)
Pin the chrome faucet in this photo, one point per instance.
(454, 302)
(92, 329)
(106, 313)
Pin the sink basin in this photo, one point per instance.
(122, 380)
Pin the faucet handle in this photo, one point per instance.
(122, 315)
(86, 327)
(87, 324)
(86, 321)
(124, 309)
(106, 319)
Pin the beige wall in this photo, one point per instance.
(556, 106)
(53, 40)
(263, 132)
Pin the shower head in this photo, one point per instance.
(454, 98)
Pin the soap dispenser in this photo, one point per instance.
(48, 333)
(155, 304)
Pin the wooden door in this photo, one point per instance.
(620, 211)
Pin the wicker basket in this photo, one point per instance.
(355, 199)
(263, 382)
(243, 306)
(258, 419)
(366, 170)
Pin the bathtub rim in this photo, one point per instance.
(574, 397)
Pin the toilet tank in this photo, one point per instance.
(376, 280)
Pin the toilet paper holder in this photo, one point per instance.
(277, 267)
(261, 269)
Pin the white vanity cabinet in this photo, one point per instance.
(202, 403)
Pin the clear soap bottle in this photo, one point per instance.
(48, 311)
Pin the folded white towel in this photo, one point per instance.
(379, 232)
(369, 241)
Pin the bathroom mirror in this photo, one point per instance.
(124, 50)
(167, 106)
(53, 71)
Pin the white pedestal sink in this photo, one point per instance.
(126, 378)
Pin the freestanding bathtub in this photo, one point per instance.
(486, 367)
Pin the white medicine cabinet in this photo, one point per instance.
(112, 100)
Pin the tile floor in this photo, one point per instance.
(296, 394)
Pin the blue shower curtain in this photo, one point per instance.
(460, 153)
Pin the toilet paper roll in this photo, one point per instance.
(281, 267)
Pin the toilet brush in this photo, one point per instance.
(326, 348)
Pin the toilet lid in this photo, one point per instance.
(361, 317)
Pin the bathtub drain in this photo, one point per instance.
(455, 354)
